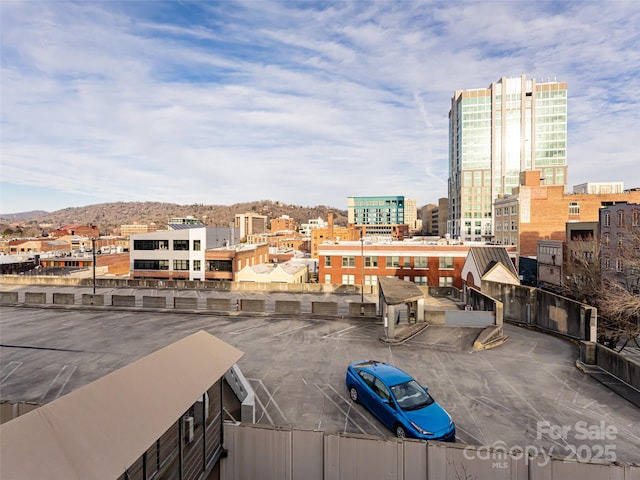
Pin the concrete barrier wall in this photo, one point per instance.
(289, 307)
(186, 303)
(8, 297)
(252, 305)
(91, 299)
(469, 319)
(364, 310)
(324, 308)
(219, 304)
(481, 301)
(154, 302)
(544, 309)
(123, 300)
(622, 366)
(224, 285)
(35, 297)
(257, 451)
(64, 299)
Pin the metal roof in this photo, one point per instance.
(487, 257)
(101, 429)
(396, 291)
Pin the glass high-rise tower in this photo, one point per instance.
(516, 124)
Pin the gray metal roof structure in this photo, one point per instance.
(396, 291)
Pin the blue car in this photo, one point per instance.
(398, 401)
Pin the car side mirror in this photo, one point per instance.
(390, 402)
(426, 389)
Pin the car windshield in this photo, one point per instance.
(411, 396)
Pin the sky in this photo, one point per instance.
(303, 102)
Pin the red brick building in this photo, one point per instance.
(360, 263)
(90, 231)
(540, 212)
(282, 224)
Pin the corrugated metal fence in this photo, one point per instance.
(267, 453)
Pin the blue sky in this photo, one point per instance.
(300, 102)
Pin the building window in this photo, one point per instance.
(574, 208)
(196, 245)
(393, 262)
(606, 263)
(151, 264)
(370, 279)
(606, 239)
(514, 209)
(181, 244)
(404, 262)
(327, 278)
(181, 264)
(151, 244)
(348, 279)
(446, 263)
(621, 219)
(445, 282)
(421, 280)
(196, 265)
(327, 261)
(514, 226)
(498, 212)
(636, 219)
(348, 262)
(619, 265)
(220, 265)
(421, 262)
(607, 219)
(371, 262)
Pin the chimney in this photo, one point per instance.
(330, 221)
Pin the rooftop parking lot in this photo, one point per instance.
(514, 394)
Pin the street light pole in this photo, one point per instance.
(93, 251)
(362, 272)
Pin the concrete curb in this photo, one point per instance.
(490, 337)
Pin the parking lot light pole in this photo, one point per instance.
(93, 252)
(362, 273)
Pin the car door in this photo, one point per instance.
(383, 405)
(367, 396)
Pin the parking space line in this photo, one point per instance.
(346, 412)
(248, 329)
(289, 332)
(271, 399)
(64, 378)
(16, 365)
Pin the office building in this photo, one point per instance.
(381, 215)
(250, 224)
(514, 125)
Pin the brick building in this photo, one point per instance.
(331, 233)
(361, 262)
(620, 244)
(282, 224)
(90, 231)
(225, 262)
(540, 212)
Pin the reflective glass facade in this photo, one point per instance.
(494, 134)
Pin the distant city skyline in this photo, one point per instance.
(303, 103)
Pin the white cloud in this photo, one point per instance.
(228, 102)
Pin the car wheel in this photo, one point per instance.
(400, 433)
(353, 393)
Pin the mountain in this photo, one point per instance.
(108, 216)
(20, 217)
